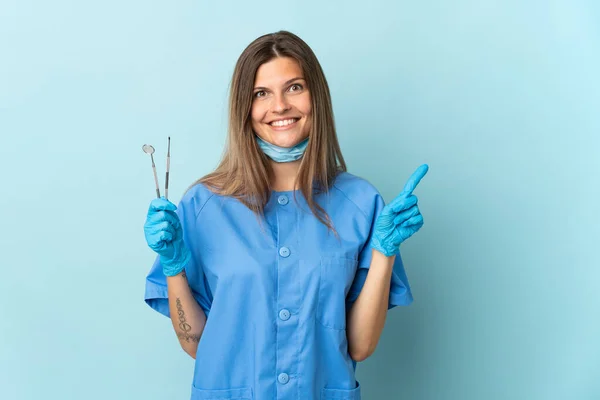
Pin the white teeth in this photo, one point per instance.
(284, 122)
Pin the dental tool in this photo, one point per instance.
(167, 174)
(148, 149)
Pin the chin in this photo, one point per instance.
(287, 143)
(283, 139)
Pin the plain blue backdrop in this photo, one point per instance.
(500, 98)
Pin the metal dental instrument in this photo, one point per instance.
(148, 149)
(167, 174)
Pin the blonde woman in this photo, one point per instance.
(277, 269)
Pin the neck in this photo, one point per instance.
(284, 175)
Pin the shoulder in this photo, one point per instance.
(195, 198)
(357, 190)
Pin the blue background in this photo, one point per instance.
(500, 98)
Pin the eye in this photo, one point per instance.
(299, 87)
(260, 93)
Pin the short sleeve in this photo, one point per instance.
(400, 293)
(156, 282)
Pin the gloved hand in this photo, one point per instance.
(164, 235)
(400, 219)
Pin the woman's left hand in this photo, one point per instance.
(400, 219)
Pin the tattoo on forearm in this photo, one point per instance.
(184, 326)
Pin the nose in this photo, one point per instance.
(280, 104)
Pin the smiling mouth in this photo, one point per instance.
(284, 122)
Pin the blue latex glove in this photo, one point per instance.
(164, 235)
(400, 219)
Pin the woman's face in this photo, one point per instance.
(281, 108)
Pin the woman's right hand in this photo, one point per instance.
(164, 235)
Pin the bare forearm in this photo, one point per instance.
(187, 316)
(366, 317)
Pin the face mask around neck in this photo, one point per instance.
(282, 154)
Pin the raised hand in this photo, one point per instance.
(400, 219)
(164, 235)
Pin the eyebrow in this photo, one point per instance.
(286, 83)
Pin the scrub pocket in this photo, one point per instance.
(337, 275)
(222, 394)
(341, 394)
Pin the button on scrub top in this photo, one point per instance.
(276, 293)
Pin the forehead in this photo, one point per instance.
(277, 71)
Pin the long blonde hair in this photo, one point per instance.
(244, 171)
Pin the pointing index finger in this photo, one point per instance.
(415, 178)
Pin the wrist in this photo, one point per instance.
(387, 249)
(379, 255)
(175, 266)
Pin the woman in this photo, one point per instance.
(278, 268)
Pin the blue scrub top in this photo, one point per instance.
(276, 294)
